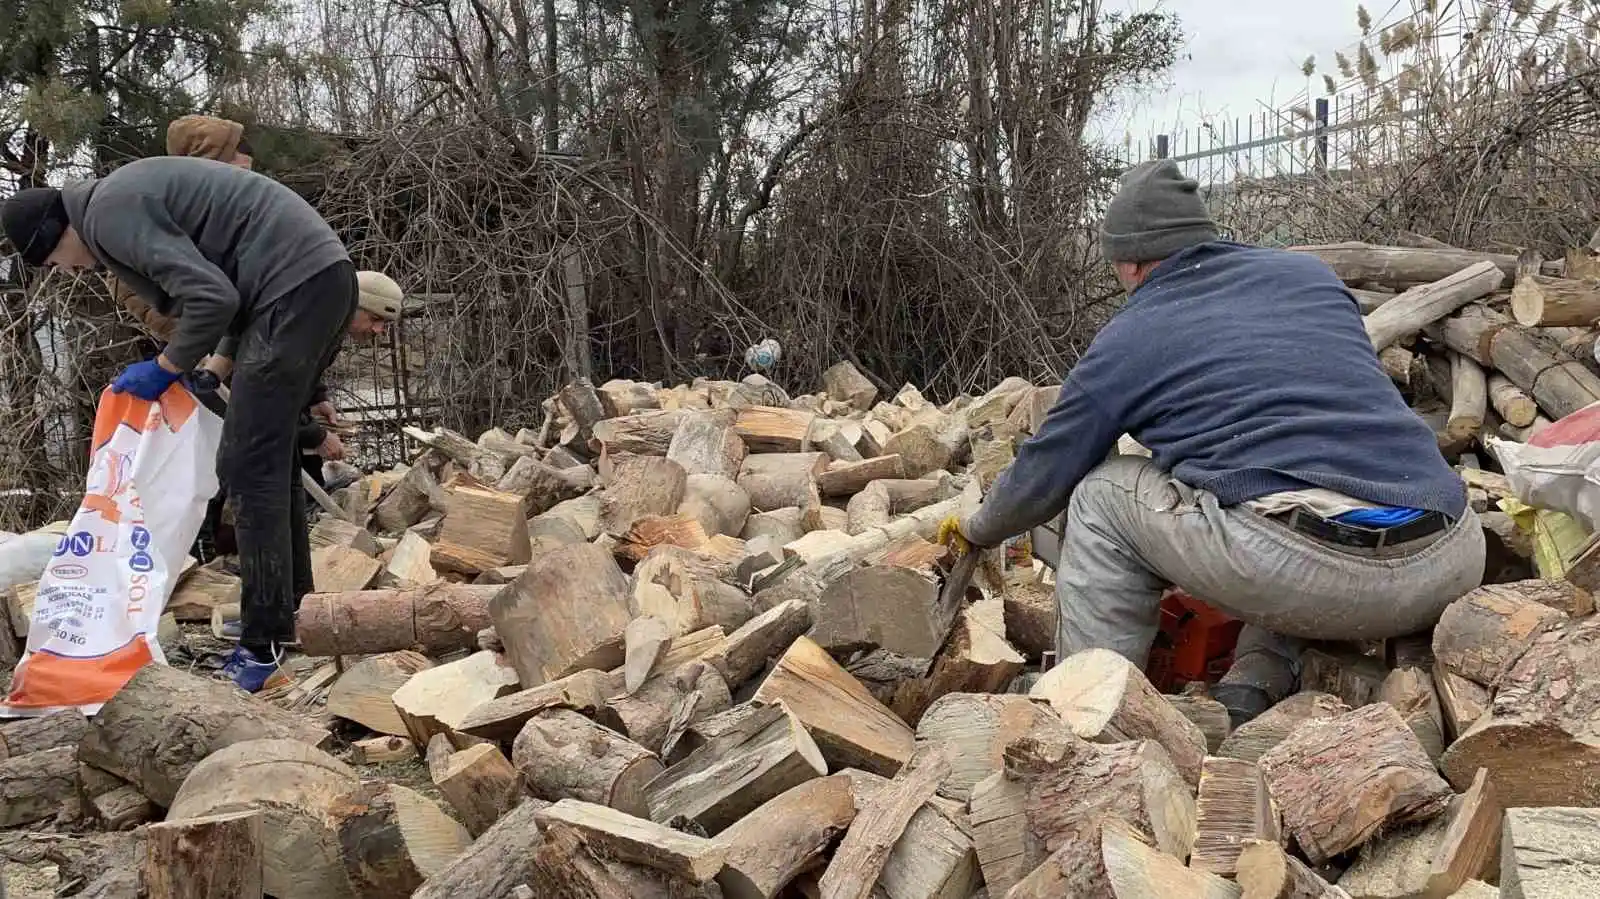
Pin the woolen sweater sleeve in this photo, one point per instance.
(161, 251)
(1076, 435)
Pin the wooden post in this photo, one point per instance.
(213, 857)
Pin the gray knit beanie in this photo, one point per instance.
(1156, 213)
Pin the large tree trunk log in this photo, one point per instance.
(391, 839)
(617, 835)
(437, 700)
(1529, 359)
(27, 735)
(1402, 267)
(214, 857)
(565, 613)
(784, 836)
(1425, 304)
(851, 727)
(1267, 872)
(364, 693)
(436, 619)
(666, 705)
(38, 785)
(974, 729)
(562, 754)
(878, 826)
(1105, 699)
(1339, 781)
(1550, 853)
(705, 443)
(164, 721)
(763, 752)
(478, 783)
(1233, 807)
(1537, 741)
(1482, 632)
(496, 864)
(294, 787)
(1540, 300)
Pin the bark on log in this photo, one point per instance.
(38, 785)
(496, 864)
(164, 721)
(1253, 739)
(364, 693)
(1425, 304)
(666, 705)
(781, 490)
(684, 591)
(212, 857)
(850, 727)
(974, 729)
(1482, 632)
(1031, 615)
(881, 500)
(619, 397)
(26, 735)
(542, 487)
(1410, 691)
(1471, 332)
(850, 478)
(761, 638)
(474, 459)
(1469, 398)
(1103, 698)
(1560, 384)
(1208, 715)
(1233, 808)
(436, 619)
(782, 525)
(934, 856)
(764, 752)
(561, 754)
(437, 700)
(500, 720)
(768, 429)
(705, 443)
(565, 613)
(1550, 853)
(409, 501)
(479, 783)
(1402, 267)
(883, 606)
(1541, 300)
(294, 787)
(636, 486)
(846, 384)
(1338, 781)
(391, 839)
(617, 835)
(1537, 741)
(1512, 405)
(860, 858)
(382, 749)
(784, 836)
(1267, 872)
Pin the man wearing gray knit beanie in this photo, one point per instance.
(1289, 485)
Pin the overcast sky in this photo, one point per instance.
(1243, 53)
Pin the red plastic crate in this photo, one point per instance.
(1195, 643)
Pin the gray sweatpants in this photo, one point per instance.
(1132, 531)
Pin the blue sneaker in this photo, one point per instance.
(249, 673)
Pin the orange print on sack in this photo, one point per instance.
(109, 479)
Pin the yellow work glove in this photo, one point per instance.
(950, 535)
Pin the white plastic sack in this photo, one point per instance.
(1559, 467)
(24, 556)
(151, 472)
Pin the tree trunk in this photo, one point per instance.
(1512, 405)
(1402, 267)
(436, 619)
(1425, 304)
(1468, 398)
(1543, 301)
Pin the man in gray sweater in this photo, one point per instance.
(234, 257)
(1290, 485)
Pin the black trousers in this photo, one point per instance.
(281, 355)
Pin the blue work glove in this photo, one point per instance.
(146, 380)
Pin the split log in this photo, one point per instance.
(617, 835)
(1055, 791)
(437, 619)
(164, 721)
(850, 478)
(1207, 714)
(202, 590)
(1550, 853)
(809, 462)
(651, 531)
(409, 563)
(762, 753)
(26, 735)
(1267, 872)
(565, 613)
(541, 486)
(1233, 808)
(782, 525)
(1436, 859)
(332, 531)
(645, 434)
(409, 501)
(975, 659)
(38, 785)
(1401, 267)
(1338, 781)
(383, 749)
(973, 730)
(784, 836)
(1468, 398)
(1108, 858)
(644, 639)
(928, 446)
(392, 839)
(846, 384)
(1461, 701)
(482, 529)
(495, 864)
(293, 786)
(1030, 616)
(1338, 669)
(934, 856)
(1422, 305)
(780, 490)
(340, 569)
(437, 700)
(860, 858)
(1103, 698)
(883, 606)
(706, 443)
(212, 857)
(1482, 632)
(636, 486)
(852, 729)
(581, 403)
(1477, 889)
(619, 397)
(478, 783)
(1541, 300)
(838, 439)
(816, 545)
(502, 719)
(768, 429)
(718, 503)
(684, 591)
(364, 692)
(565, 866)
(1410, 691)
(1516, 407)
(1537, 741)
(761, 638)
(561, 754)
(1397, 362)
(881, 500)
(677, 699)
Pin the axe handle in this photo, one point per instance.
(319, 495)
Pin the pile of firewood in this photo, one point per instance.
(693, 642)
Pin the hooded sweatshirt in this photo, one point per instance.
(209, 243)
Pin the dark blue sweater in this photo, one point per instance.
(1245, 371)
